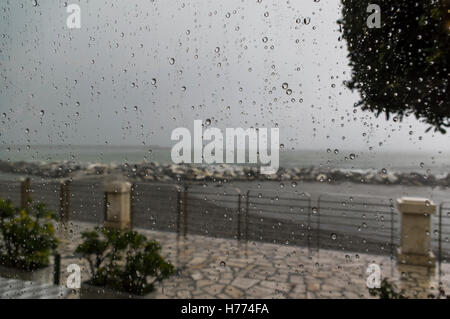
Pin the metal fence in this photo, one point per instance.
(440, 232)
(367, 224)
(279, 217)
(359, 224)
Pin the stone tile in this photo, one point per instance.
(214, 289)
(233, 292)
(279, 286)
(296, 279)
(196, 276)
(313, 286)
(243, 283)
(184, 294)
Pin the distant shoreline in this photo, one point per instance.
(152, 171)
(430, 163)
(160, 147)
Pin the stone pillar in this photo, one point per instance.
(415, 231)
(118, 206)
(25, 189)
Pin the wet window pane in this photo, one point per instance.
(254, 149)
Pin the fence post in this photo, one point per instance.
(318, 224)
(415, 231)
(239, 218)
(57, 269)
(247, 203)
(117, 205)
(25, 198)
(392, 233)
(178, 211)
(440, 241)
(308, 225)
(392, 239)
(132, 203)
(185, 211)
(64, 202)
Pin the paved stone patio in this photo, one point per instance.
(222, 268)
(19, 289)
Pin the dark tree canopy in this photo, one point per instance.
(401, 68)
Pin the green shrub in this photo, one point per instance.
(388, 290)
(123, 260)
(27, 237)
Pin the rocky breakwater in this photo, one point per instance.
(152, 171)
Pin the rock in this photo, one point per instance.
(380, 178)
(146, 171)
(392, 178)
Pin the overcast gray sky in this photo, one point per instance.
(95, 85)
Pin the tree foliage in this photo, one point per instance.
(401, 68)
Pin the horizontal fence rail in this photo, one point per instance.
(283, 218)
(338, 222)
(212, 212)
(357, 223)
(11, 191)
(155, 206)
